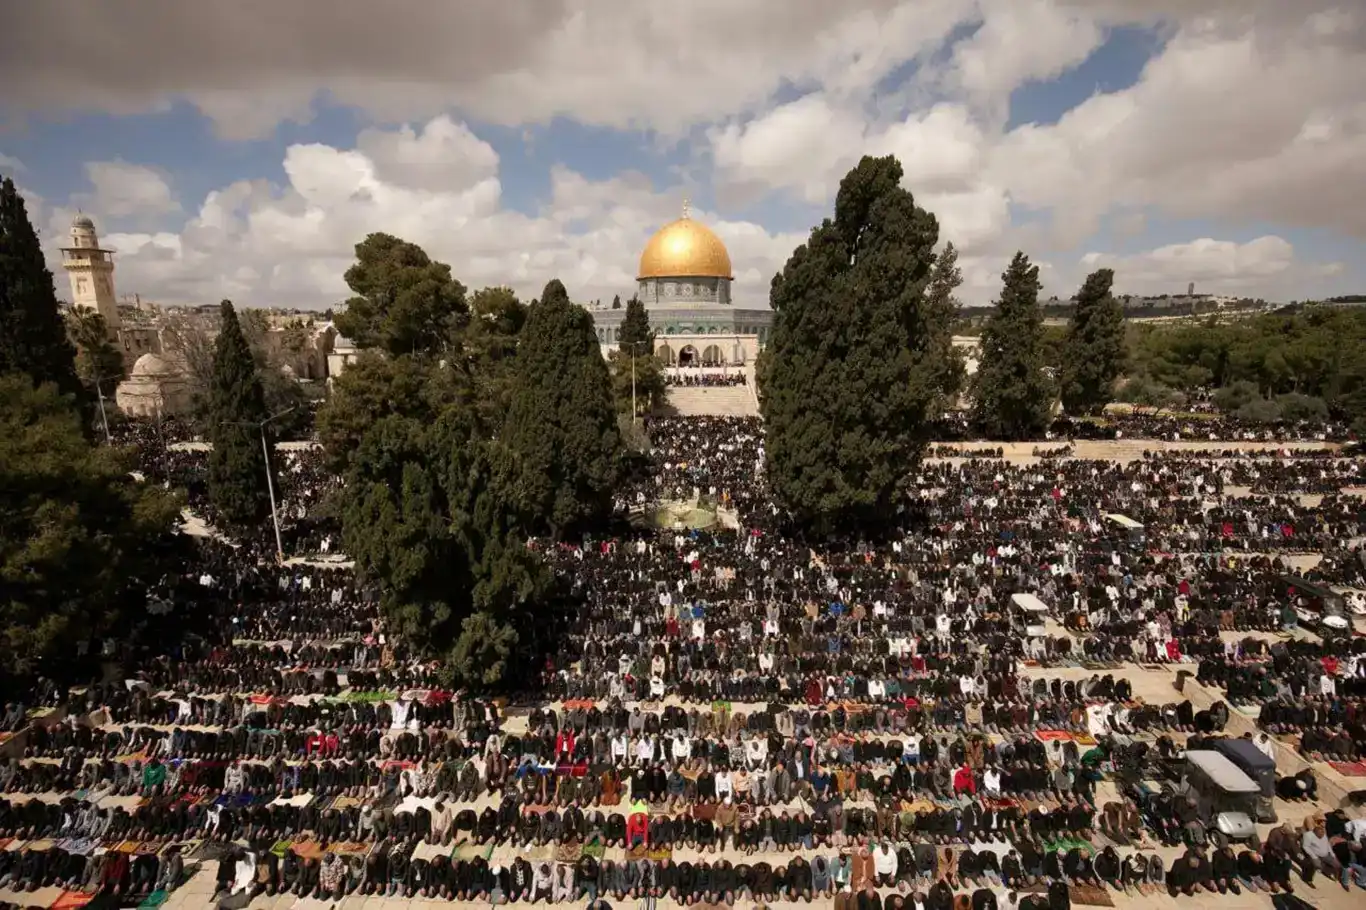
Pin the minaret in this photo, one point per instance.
(91, 270)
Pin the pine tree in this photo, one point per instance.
(562, 447)
(404, 302)
(79, 541)
(1012, 396)
(1094, 351)
(236, 408)
(33, 338)
(850, 374)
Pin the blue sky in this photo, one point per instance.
(1167, 147)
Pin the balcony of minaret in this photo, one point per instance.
(79, 257)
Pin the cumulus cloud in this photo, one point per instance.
(262, 245)
(1215, 266)
(123, 189)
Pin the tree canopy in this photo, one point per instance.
(1012, 397)
(561, 440)
(403, 302)
(98, 360)
(236, 408)
(1094, 350)
(443, 458)
(33, 338)
(856, 358)
(1317, 352)
(80, 540)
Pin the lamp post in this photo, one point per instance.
(104, 418)
(634, 411)
(270, 481)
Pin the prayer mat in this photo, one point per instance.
(1087, 896)
(147, 848)
(1349, 768)
(281, 847)
(568, 853)
(70, 900)
(346, 802)
(661, 853)
(129, 846)
(597, 851)
(1048, 736)
(472, 850)
(350, 848)
(153, 900)
(308, 849)
(211, 851)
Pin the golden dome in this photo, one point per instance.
(685, 249)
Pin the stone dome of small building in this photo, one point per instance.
(151, 366)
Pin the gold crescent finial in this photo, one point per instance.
(687, 207)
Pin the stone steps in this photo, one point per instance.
(720, 401)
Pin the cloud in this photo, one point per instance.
(438, 186)
(1215, 266)
(616, 63)
(123, 189)
(444, 156)
(1019, 41)
(1172, 144)
(1247, 113)
(10, 166)
(1174, 141)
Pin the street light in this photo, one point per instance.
(632, 345)
(270, 481)
(104, 419)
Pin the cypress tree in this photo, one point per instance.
(33, 338)
(562, 447)
(1093, 353)
(1012, 396)
(236, 407)
(636, 334)
(849, 376)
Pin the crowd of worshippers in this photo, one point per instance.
(704, 377)
(844, 713)
(1167, 427)
(1312, 692)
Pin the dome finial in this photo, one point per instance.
(687, 208)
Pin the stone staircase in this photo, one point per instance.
(721, 401)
